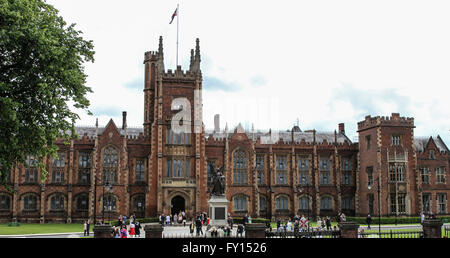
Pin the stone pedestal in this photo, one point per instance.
(255, 230)
(349, 229)
(432, 228)
(103, 231)
(153, 230)
(218, 210)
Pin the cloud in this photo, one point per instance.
(371, 102)
(214, 84)
(258, 80)
(136, 84)
(110, 111)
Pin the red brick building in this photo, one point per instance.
(158, 169)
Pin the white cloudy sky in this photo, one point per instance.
(323, 62)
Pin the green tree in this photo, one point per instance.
(41, 76)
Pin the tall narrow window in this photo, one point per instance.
(5, 202)
(400, 173)
(178, 167)
(303, 203)
(396, 140)
(425, 175)
(325, 178)
(326, 203)
(239, 167)
(30, 203)
(392, 175)
(110, 165)
(240, 203)
(432, 154)
(57, 202)
(82, 202)
(347, 203)
(31, 170)
(281, 203)
(281, 170)
(441, 203)
(368, 142)
(346, 164)
(260, 169)
(262, 204)
(84, 167)
(440, 175)
(58, 167)
(109, 203)
(369, 176)
(401, 199)
(180, 138)
(210, 171)
(303, 171)
(347, 178)
(140, 171)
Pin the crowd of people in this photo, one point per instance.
(175, 219)
(130, 228)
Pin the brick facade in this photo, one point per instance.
(301, 172)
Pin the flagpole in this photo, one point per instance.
(178, 23)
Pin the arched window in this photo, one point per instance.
(82, 202)
(30, 202)
(303, 203)
(57, 202)
(110, 165)
(326, 203)
(282, 203)
(240, 203)
(5, 202)
(347, 203)
(109, 203)
(239, 167)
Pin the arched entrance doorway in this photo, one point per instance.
(178, 204)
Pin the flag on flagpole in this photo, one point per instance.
(174, 15)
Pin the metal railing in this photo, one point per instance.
(311, 233)
(392, 234)
(446, 232)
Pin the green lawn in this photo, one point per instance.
(25, 229)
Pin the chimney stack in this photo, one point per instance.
(342, 128)
(217, 123)
(124, 120)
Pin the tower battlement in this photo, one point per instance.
(394, 120)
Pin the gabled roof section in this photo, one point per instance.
(422, 143)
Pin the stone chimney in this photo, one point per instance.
(124, 120)
(217, 123)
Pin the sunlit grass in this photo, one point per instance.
(26, 229)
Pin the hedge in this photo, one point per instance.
(141, 220)
(392, 220)
(240, 220)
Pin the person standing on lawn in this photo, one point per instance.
(138, 228)
(328, 222)
(368, 221)
(85, 228)
(132, 228)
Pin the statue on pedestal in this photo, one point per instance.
(217, 181)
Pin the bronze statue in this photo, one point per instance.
(217, 181)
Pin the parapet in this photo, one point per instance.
(394, 120)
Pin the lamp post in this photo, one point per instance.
(305, 182)
(379, 205)
(109, 186)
